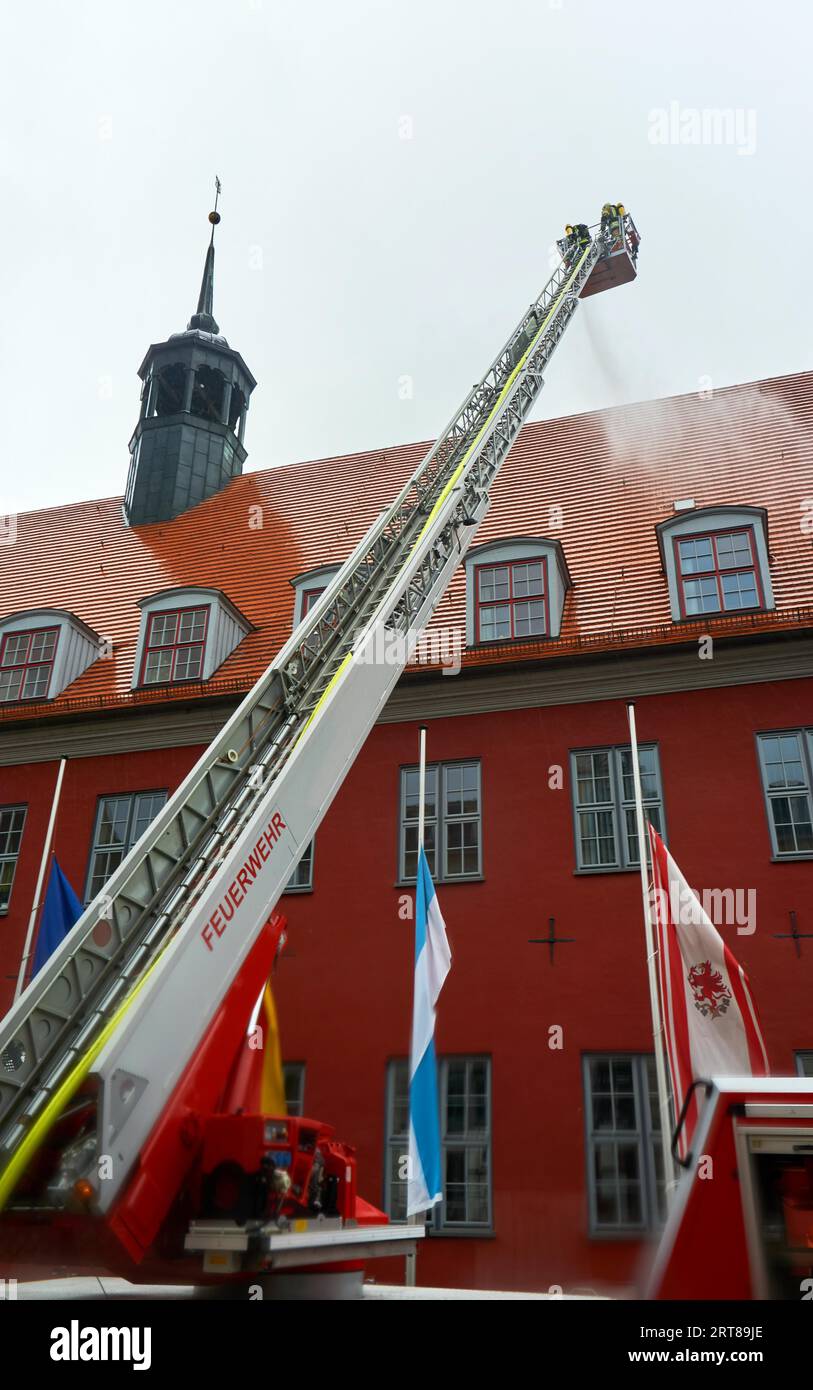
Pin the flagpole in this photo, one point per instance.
(413, 1220)
(654, 999)
(32, 920)
(421, 786)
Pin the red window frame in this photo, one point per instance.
(717, 572)
(512, 599)
(175, 646)
(309, 597)
(24, 666)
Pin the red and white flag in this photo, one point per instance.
(709, 1016)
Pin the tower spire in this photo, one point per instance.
(189, 440)
(204, 318)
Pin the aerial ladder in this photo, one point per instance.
(117, 1062)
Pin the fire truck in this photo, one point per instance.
(131, 1140)
(741, 1223)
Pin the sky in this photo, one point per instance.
(394, 178)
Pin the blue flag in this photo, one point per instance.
(432, 961)
(61, 909)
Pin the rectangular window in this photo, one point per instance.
(293, 1074)
(175, 645)
(120, 822)
(804, 1063)
(604, 804)
(512, 600)
(26, 663)
(309, 598)
(452, 829)
(301, 879)
(12, 820)
(465, 1131)
(624, 1156)
(786, 761)
(718, 573)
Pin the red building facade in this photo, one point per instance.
(544, 1028)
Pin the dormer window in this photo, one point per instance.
(27, 663)
(308, 587)
(718, 573)
(716, 561)
(515, 590)
(512, 600)
(186, 634)
(42, 651)
(175, 645)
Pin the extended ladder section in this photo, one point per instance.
(133, 988)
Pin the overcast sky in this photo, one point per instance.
(394, 175)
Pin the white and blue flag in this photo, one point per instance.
(432, 961)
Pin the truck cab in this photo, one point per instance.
(741, 1223)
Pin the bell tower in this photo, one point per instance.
(188, 443)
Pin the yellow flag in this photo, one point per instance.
(272, 1086)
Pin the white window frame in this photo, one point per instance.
(805, 737)
(12, 859)
(617, 807)
(301, 880)
(397, 1144)
(438, 823)
(130, 838)
(645, 1137)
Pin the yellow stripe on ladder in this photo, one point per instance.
(25, 1151)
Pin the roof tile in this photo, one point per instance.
(614, 474)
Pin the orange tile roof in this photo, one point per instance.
(615, 474)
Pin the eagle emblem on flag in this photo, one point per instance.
(711, 995)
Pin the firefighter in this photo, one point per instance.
(576, 238)
(632, 238)
(611, 215)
